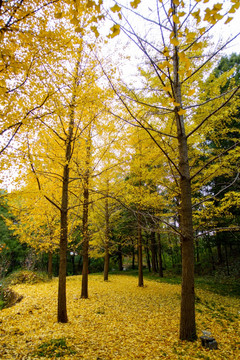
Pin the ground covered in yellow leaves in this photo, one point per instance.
(118, 321)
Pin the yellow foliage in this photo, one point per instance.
(118, 321)
(176, 19)
(115, 30)
(134, 4)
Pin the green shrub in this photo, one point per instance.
(54, 348)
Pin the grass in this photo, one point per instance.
(226, 285)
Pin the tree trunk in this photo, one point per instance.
(160, 269)
(153, 251)
(148, 257)
(133, 255)
(120, 260)
(62, 302)
(197, 251)
(187, 320)
(84, 293)
(227, 263)
(106, 264)
(219, 248)
(50, 264)
(140, 263)
(106, 257)
(211, 257)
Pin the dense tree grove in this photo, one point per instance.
(124, 158)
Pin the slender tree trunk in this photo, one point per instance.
(57, 265)
(187, 320)
(62, 302)
(84, 293)
(219, 249)
(106, 264)
(140, 261)
(106, 257)
(148, 257)
(160, 269)
(211, 257)
(153, 251)
(197, 250)
(120, 259)
(50, 264)
(227, 263)
(133, 255)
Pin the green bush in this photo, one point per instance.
(54, 347)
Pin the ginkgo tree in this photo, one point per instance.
(35, 223)
(177, 58)
(25, 37)
(52, 150)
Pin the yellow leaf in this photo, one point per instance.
(174, 41)
(181, 112)
(202, 30)
(90, 4)
(74, 21)
(167, 88)
(173, 101)
(232, 10)
(181, 13)
(115, 8)
(95, 30)
(134, 4)
(176, 19)
(217, 7)
(166, 51)
(228, 20)
(115, 31)
(58, 15)
(78, 29)
(196, 46)
(191, 92)
(196, 15)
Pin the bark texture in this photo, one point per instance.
(50, 265)
(160, 268)
(140, 260)
(62, 302)
(107, 230)
(62, 305)
(84, 292)
(187, 320)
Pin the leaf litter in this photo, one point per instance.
(118, 321)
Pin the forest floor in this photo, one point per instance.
(118, 321)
